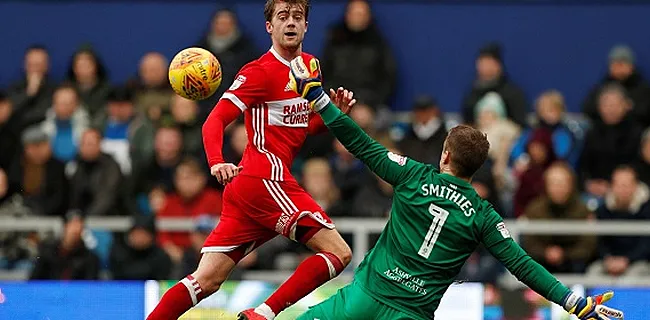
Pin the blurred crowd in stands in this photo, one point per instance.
(87, 147)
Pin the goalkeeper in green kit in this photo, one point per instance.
(437, 221)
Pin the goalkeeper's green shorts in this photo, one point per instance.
(352, 303)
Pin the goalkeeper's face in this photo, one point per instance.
(288, 25)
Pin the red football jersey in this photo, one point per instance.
(276, 117)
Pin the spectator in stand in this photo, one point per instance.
(203, 226)
(153, 92)
(561, 202)
(128, 135)
(190, 199)
(627, 201)
(4, 187)
(39, 178)
(136, 256)
(374, 199)
(485, 187)
(159, 171)
(185, 115)
(501, 133)
(357, 56)
(364, 116)
(67, 258)
(530, 173)
(88, 76)
(318, 182)
(643, 164)
(227, 41)
(613, 140)
(622, 71)
(65, 122)
(17, 248)
(492, 79)
(10, 129)
(349, 174)
(423, 142)
(34, 92)
(551, 112)
(96, 180)
(191, 255)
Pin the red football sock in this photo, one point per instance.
(309, 275)
(177, 300)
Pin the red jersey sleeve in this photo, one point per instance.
(316, 124)
(248, 89)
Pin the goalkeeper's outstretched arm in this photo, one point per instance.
(306, 80)
(497, 240)
(391, 167)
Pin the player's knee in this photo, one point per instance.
(209, 284)
(344, 253)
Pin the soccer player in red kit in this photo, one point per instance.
(262, 199)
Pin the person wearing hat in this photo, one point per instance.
(128, 135)
(491, 77)
(424, 139)
(40, 177)
(622, 70)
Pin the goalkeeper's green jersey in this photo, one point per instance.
(436, 222)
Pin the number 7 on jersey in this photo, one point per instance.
(439, 218)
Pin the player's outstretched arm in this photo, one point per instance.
(497, 240)
(393, 168)
(220, 117)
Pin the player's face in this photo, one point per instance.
(288, 25)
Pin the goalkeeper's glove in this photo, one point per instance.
(307, 82)
(591, 308)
